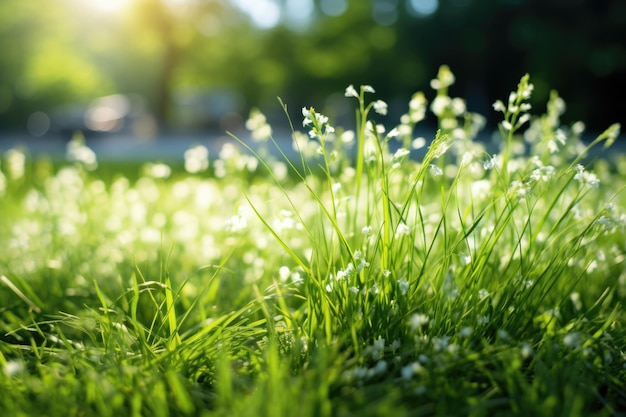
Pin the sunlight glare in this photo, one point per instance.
(109, 6)
(265, 14)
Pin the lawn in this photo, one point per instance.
(355, 280)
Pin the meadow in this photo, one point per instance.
(354, 280)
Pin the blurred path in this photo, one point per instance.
(124, 147)
(171, 147)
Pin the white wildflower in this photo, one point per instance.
(440, 104)
(196, 159)
(403, 284)
(393, 133)
(257, 124)
(526, 350)
(572, 340)
(395, 345)
(157, 170)
(284, 273)
(418, 143)
(347, 136)
(441, 343)
(498, 105)
(458, 106)
(367, 89)
(403, 229)
(518, 190)
(79, 152)
(465, 331)
(401, 153)
(465, 259)
(380, 107)
(503, 335)
(435, 170)
(378, 369)
(411, 369)
(418, 320)
(374, 290)
(351, 92)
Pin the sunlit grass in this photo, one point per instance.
(352, 280)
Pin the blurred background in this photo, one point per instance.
(180, 69)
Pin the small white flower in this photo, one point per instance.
(347, 136)
(418, 143)
(528, 90)
(400, 153)
(552, 146)
(12, 368)
(572, 340)
(374, 290)
(498, 105)
(366, 230)
(395, 345)
(393, 133)
(418, 320)
(411, 369)
(435, 170)
(512, 97)
(458, 106)
(403, 229)
(236, 223)
(526, 350)
(284, 273)
(465, 331)
(439, 105)
(367, 89)
(465, 259)
(575, 298)
(441, 343)
(523, 119)
(380, 368)
(196, 159)
(578, 128)
(158, 170)
(403, 284)
(440, 149)
(519, 190)
(76, 151)
(379, 344)
(257, 124)
(351, 92)
(380, 107)
(503, 334)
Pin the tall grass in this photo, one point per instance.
(356, 279)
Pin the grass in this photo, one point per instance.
(355, 280)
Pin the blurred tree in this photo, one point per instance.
(181, 54)
(42, 65)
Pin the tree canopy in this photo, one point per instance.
(190, 62)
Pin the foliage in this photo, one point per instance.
(175, 54)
